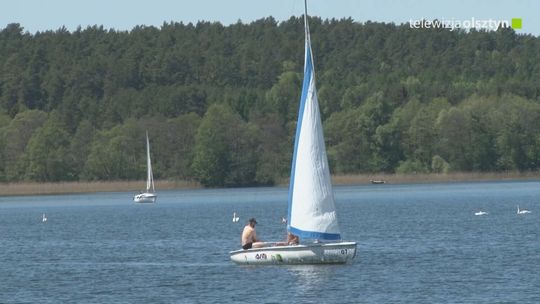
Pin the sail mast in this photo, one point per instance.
(308, 50)
(306, 26)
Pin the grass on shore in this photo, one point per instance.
(358, 179)
(433, 177)
(26, 188)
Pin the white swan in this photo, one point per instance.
(522, 211)
(480, 213)
(235, 218)
(43, 218)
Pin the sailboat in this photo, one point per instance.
(149, 196)
(311, 209)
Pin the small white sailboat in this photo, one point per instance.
(480, 213)
(43, 218)
(149, 196)
(522, 211)
(311, 210)
(235, 218)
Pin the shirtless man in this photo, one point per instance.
(249, 236)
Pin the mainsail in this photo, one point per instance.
(311, 213)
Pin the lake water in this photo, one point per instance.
(416, 244)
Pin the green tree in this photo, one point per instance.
(117, 154)
(439, 165)
(284, 96)
(224, 153)
(455, 141)
(518, 138)
(79, 147)
(351, 140)
(47, 153)
(173, 145)
(15, 138)
(421, 135)
(275, 150)
(390, 137)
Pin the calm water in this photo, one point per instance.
(417, 244)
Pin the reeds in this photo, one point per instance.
(358, 179)
(27, 188)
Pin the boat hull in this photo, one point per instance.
(317, 253)
(145, 198)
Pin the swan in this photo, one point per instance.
(522, 211)
(480, 213)
(235, 218)
(43, 218)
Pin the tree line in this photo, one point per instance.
(220, 102)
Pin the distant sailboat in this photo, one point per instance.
(311, 210)
(43, 218)
(150, 195)
(235, 218)
(522, 211)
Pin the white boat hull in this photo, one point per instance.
(145, 198)
(317, 253)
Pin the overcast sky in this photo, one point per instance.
(40, 15)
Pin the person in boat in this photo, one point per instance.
(249, 236)
(292, 239)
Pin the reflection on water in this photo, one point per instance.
(311, 279)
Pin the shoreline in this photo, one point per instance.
(434, 177)
(27, 188)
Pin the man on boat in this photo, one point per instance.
(249, 236)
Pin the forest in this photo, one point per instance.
(220, 102)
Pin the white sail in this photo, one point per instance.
(150, 195)
(312, 213)
(150, 177)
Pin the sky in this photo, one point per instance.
(42, 15)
